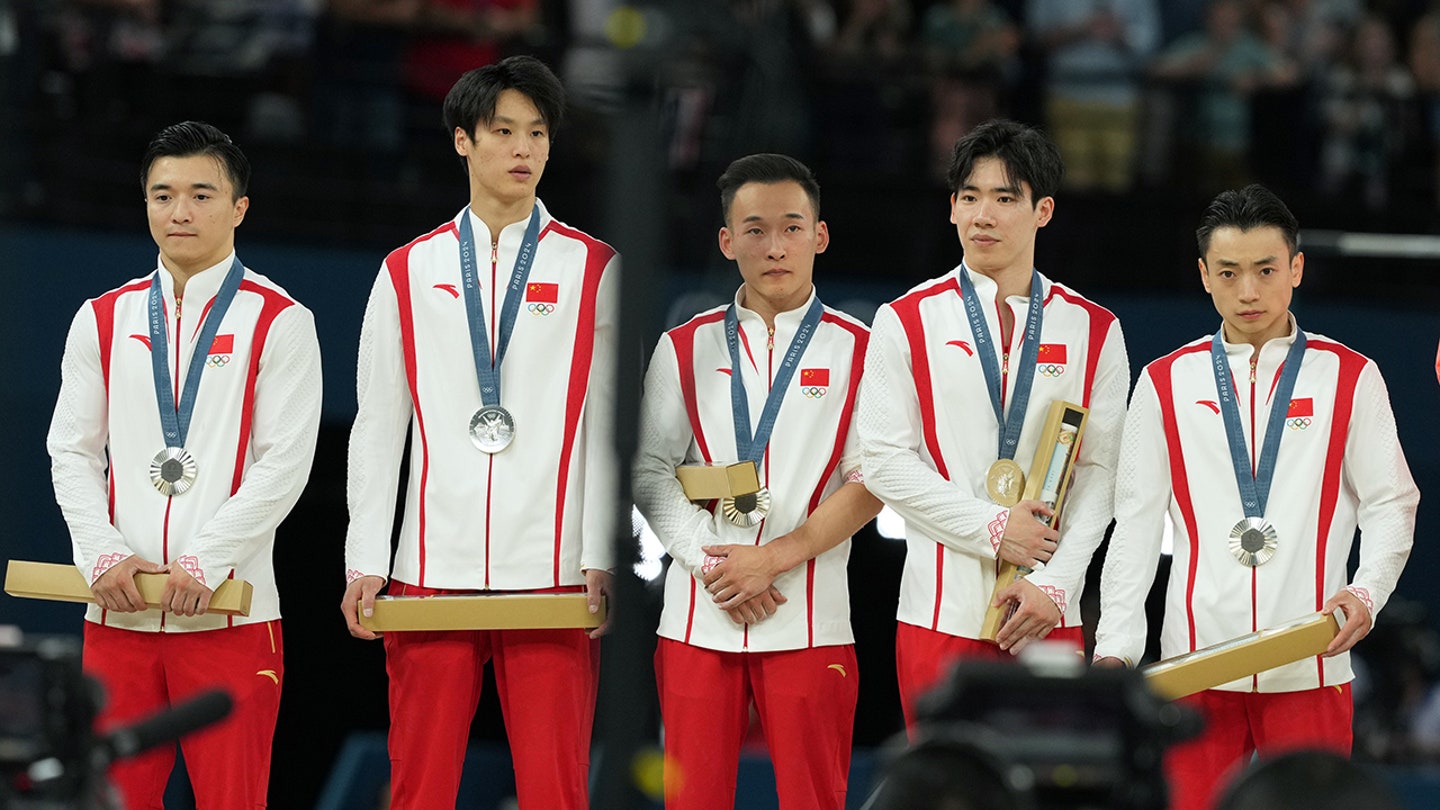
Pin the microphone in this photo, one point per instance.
(168, 724)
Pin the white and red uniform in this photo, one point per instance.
(1340, 465)
(930, 436)
(530, 518)
(798, 664)
(252, 435)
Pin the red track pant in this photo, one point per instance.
(806, 703)
(923, 659)
(546, 680)
(143, 673)
(1237, 724)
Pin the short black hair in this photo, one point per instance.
(471, 101)
(190, 138)
(1028, 156)
(766, 168)
(1253, 206)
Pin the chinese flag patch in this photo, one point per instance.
(1051, 353)
(1300, 407)
(541, 292)
(224, 344)
(815, 376)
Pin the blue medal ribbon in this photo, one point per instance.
(1029, 352)
(175, 419)
(749, 446)
(487, 371)
(1255, 488)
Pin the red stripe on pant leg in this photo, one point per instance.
(1198, 768)
(806, 701)
(704, 703)
(127, 663)
(547, 680)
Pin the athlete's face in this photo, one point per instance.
(997, 221)
(1250, 276)
(193, 212)
(773, 234)
(507, 155)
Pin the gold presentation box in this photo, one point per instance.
(64, 583)
(516, 611)
(1222, 663)
(703, 482)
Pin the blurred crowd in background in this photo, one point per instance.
(1333, 101)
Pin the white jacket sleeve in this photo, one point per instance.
(1374, 468)
(1089, 505)
(286, 420)
(602, 465)
(1142, 498)
(665, 437)
(890, 429)
(377, 439)
(76, 442)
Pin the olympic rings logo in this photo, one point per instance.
(1050, 369)
(813, 391)
(1298, 423)
(217, 360)
(540, 310)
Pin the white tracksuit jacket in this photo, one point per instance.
(929, 436)
(686, 418)
(1340, 465)
(252, 435)
(536, 514)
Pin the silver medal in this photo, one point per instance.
(746, 511)
(172, 471)
(492, 428)
(1253, 541)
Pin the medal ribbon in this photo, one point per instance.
(749, 446)
(487, 372)
(175, 419)
(1255, 489)
(1029, 352)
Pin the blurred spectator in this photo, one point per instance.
(1096, 51)
(1222, 66)
(453, 36)
(359, 53)
(1308, 780)
(1366, 108)
(108, 48)
(969, 46)
(874, 30)
(1425, 66)
(872, 97)
(1310, 33)
(246, 61)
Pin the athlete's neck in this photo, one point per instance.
(768, 308)
(181, 273)
(496, 214)
(1009, 281)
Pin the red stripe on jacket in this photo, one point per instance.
(597, 256)
(908, 311)
(1159, 372)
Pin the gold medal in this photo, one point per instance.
(1004, 482)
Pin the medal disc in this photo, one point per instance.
(1253, 541)
(1004, 482)
(172, 471)
(492, 428)
(746, 511)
